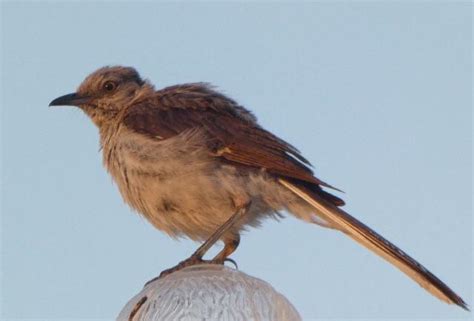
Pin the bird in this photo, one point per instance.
(195, 163)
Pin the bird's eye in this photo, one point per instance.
(110, 86)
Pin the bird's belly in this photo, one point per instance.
(186, 203)
(194, 202)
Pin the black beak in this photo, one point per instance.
(69, 100)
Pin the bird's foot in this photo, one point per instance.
(192, 260)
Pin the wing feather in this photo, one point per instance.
(233, 132)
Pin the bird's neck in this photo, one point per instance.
(108, 142)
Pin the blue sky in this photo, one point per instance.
(376, 94)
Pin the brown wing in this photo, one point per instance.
(233, 133)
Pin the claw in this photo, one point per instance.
(231, 261)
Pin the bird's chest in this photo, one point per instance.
(157, 177)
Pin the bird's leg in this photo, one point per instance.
(230, 246)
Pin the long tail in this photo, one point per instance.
(364, 235)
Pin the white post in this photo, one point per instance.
(208, 292)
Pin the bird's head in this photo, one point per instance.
(105, 92)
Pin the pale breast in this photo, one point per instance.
(171, 182)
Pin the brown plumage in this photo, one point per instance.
(232, 131)
(186, 156)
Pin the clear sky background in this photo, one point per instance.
(377, 95)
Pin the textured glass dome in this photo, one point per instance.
(208, 292)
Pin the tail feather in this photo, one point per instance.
(367, 237)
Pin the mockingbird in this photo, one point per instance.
(195, 163)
